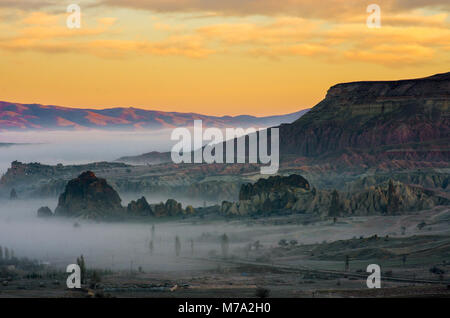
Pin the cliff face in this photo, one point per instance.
(273, 185)
(375, 117)
(89, 197)
(388, 198)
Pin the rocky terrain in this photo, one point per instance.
(359, 137)
(293, 195)
(90, 197)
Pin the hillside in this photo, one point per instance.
(392, 119)
(14, 116)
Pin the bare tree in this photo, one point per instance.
(82, 264)
(151, 247)
(177, 246)
(225, 245)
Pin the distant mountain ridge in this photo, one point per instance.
(15, 116)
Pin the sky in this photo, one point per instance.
(227, 57)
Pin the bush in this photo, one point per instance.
(262, 292)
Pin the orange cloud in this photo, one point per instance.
(393, 55)
(329, 9)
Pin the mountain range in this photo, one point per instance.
(15, 116)
(403, 123)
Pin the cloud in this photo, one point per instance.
(413, 37)
(26, 4)
(393, 55)
(330, 9)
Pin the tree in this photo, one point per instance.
(13, 194)
(225, 245)
(335, 206)
(1, 253)
(6, 254)
(82, 264)
(283, 243)
(177, 246)
(262, 292)
(190, 210)
(151, 247)
(153, 232)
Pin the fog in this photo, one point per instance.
(125, 246)
(116, 246)
(78, 147)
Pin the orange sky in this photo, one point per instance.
(214, 57)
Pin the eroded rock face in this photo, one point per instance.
(272, 185)
(139, 207)
(170, 208)
(89, 197)
(44, 212)
(389, 198)
(404, 119)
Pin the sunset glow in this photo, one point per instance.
(212, 57)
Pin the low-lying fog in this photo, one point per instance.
(127, 245)
(104, 245)
(78, 147)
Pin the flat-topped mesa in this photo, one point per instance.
(89, 197)
(375, 117)
(433, 87)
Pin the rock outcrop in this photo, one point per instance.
(272, 185)
(388, 198)
(360, 121)
(44, 212)
(171, 208)
(89, 197)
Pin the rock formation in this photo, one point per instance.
(44, 212)
(139, 207)
(89, 197)
(387, 198)
(408, 116)
(168, 209)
